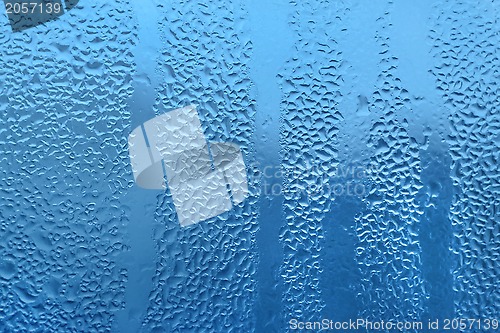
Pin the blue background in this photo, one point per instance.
(406, 91)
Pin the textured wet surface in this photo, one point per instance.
(371, 136)
(64, 171)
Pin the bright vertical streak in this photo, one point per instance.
(140, 258)
(272, 43)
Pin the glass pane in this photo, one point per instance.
(249, 166)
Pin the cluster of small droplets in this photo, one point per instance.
(64, 170)
(311, 81)
(388, 252)
(205, 272)
(466, 48)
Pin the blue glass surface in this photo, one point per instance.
(370, 132)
